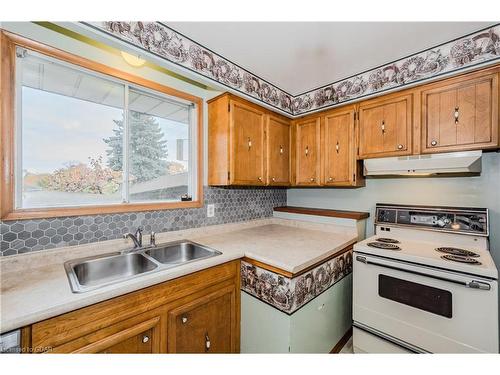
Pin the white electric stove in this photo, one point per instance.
(426, 282)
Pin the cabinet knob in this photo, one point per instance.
(145, 339)
(330, 179)
(184, 319)
(273, 179)
(281, 149)
(383, 127)
(307, 150)
(312, 179)
(434, 143)
(400, 147)
(456, 115)
(260, 179)
(337, 147)
(207, 342)
(249, 143)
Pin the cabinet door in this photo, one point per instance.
(247, 145)
(307, 152)
(460, 116)
(137, 344)
(204, 325)
(338, 148)
(385, 127)
(278, 151)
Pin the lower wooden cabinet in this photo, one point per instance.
(196, 313)
(204, 324)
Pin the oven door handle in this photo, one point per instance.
(473, 284)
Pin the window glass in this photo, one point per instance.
(158, 148)
(75, 146)
(65, 116)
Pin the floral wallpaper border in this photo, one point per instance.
(459, 54)
(161, 40)
(289, 295)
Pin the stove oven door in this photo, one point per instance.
(423, 308)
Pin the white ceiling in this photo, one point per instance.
(300, 56)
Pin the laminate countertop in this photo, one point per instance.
(35, 286)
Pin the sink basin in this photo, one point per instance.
(180, 252)
(90, 273)
(98, 271)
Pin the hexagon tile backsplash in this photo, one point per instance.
(231, 205)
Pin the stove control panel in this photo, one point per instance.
(449, 219)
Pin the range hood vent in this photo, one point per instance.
(454, 163)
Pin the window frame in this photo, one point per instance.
(8, 44)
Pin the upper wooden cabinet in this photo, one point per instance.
(278, 151)
(340, 167)
(385, 126)
(246, 160)
(244, 143)
(307, 152)
(250, 145)
(460, 114)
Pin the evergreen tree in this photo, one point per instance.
(148, 152)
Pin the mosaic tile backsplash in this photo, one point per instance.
(231, 205)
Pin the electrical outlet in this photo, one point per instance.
(210, 210)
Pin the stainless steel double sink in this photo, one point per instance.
(95, 272)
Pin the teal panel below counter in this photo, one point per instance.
(314, 328)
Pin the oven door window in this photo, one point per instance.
(423, 297)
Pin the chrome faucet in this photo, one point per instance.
(137, 238)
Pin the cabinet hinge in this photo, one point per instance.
(354, 177)
(228, 175)
(228, 107)
(354, 116)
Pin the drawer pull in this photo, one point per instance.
(281, 149)
(383, 127)
(337, 147)
(145, 339)
(249, 143)
(307, 150)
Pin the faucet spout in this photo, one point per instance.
(137, 238)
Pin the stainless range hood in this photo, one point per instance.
(453, 163)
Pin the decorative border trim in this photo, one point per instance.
(290, 294)
(459, 54)
(462, 53)
(163, 41)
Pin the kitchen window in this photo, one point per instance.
(89, 139)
